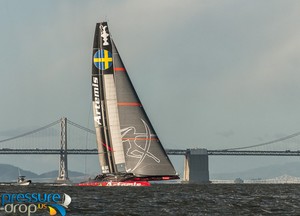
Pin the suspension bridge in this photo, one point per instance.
(64, 137)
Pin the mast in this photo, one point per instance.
(98, 107)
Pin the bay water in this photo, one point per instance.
(172, 199)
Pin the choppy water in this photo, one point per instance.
(176, 199)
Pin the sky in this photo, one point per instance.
(210, 73)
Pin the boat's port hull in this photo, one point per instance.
(112, 184)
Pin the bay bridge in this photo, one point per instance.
(64, 137)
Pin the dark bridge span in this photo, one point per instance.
(169, 152)
(238, 152)
(254, 153)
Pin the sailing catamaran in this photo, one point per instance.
(130, 153)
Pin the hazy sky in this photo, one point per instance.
(211, 74)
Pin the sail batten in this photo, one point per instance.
(119, 69)
(129, 104)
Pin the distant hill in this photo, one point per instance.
(266, 172)
(10, 173)
(54, 174)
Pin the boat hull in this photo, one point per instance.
(115, 184)
(26, 183)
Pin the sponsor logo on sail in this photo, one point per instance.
(103, 59)
(104, 34)
(136, 149)
(96, 94)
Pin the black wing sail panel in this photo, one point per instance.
(144, 154)
(105, 104)
(97, 94)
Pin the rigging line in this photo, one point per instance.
(81, 127)
(86, 139)
(31, 132)
(266, 143)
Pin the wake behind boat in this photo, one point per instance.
(130, 152)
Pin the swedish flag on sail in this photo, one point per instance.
(103, 59)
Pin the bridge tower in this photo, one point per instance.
(63, 162)
(196, 166)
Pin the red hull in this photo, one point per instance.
(112, 183)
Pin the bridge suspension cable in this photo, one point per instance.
(265, 143)
(81, 127)
(31, 132)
